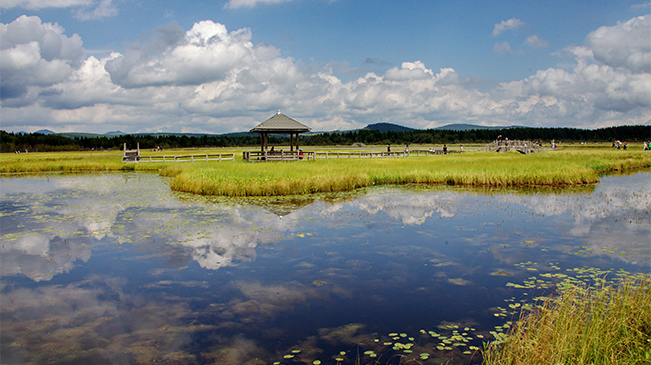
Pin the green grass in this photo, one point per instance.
(240, 178)
(600, 325)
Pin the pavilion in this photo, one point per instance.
(280, 124)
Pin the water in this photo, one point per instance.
(116, 268)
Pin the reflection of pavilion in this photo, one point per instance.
(279, 124)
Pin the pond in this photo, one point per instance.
(116, 268)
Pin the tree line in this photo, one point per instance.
(10, 142)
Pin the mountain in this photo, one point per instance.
(114, 133)
(386, 127)
(45, 131)
(465, 127)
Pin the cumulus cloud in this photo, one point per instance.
(505, 25)
(626, 45)
(209, 79)
(206, 53)
(36, 54)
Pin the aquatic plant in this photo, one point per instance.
(604, 324)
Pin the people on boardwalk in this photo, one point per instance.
(389, 148)
(445, 149)
(406, 150)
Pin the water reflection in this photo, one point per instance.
(117, 268)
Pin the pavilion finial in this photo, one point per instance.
(278, 111)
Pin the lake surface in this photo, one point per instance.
(116, 268)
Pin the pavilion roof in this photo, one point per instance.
(280, 123)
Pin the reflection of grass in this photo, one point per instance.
(238, 178)
(602, 325)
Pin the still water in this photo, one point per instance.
(118, 269)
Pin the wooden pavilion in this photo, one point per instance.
(278, 124)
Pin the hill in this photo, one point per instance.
(386, 127)
(467, 127)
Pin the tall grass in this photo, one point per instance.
(602, 325)
(559, 168)
(239, 178)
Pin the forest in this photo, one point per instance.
(11, 142)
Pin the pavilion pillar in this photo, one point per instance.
(291, 141)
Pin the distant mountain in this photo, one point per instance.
(465, 127)
(45, 131)
(386, 127)
(114, 133)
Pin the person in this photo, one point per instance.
(389, 148)
(406, 150)
(445, 149)
(272, 148)
(461, 148)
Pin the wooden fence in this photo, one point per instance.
(258, 156)
(188, 158)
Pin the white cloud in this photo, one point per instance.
(208, 79)
(504, 25)
(234, 4)
(535, 42)
(35, 54)
(626, 45)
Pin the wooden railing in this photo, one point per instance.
(188, 158)
(277, 156)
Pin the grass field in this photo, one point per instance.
(571, 165)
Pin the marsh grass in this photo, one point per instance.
(604, 324)
(239, 178)
(558, 168)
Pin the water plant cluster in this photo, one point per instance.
(605, 322)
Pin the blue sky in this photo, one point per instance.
(224, 66)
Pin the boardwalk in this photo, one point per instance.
(524, 147)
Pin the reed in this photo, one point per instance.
(558, 168)
(600, 325)
(239, 178)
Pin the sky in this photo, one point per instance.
(224, 66)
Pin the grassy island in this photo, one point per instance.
(240, 178)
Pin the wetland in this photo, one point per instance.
(118, 268)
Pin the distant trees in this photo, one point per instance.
(10, 142)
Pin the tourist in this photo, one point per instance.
(460, 148)
(389, 148)
(406, 150)
(445, 149)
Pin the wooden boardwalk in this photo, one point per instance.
(524, 147)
